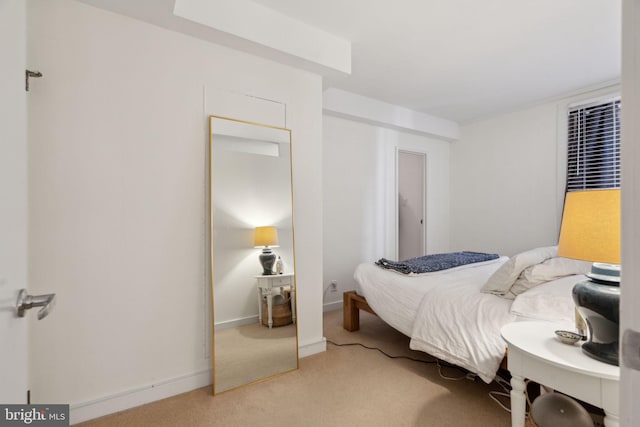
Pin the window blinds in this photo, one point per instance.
(593, 156)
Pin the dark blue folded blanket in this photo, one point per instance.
(436, 262)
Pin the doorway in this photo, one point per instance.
(411, 204)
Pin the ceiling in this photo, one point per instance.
(456, 59)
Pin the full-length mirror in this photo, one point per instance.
(252, 253)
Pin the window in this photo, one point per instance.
(593, 155)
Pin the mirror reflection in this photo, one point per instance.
(252, 253)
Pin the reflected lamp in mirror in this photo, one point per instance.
(590, 231)
(266, 238)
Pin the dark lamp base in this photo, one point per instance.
(607, 353)
(598, 302)
(267, 260)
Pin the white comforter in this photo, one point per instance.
(444, 312)
(447, 316)
(461, 325)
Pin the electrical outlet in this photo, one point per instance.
(333, 286)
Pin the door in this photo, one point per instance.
(13, 201)
(630, 291)
(411, 196)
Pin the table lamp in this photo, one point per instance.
(266, 238)
(590, 231)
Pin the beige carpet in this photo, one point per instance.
(345, 386)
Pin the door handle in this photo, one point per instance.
(26, 301)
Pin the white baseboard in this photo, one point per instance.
(85, 411)
(331, 306)
(236, 322)
(305, 350)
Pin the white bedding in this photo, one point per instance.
(445, 314)
(395, 297)
(466, 333)
(550, 301)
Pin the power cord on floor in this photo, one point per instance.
(351, 344)
(506, 387)
(467, 376)
(440, 364)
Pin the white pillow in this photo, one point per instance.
(551, 269)
(551, 301)
(500, 282)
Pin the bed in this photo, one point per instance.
(456, 314)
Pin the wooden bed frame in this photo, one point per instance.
(352, 303)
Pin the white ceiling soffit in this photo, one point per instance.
(267, 27)
(346, 104)
(246, 26)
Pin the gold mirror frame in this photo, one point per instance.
(256, 144)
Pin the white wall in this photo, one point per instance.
(360, 201)
(13, 200)
(508, 178)
(118, 172)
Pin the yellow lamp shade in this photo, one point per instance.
(266, 236)
(590, 228)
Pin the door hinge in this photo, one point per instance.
(27, 75)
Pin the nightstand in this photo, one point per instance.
(534, 352)
(274, 285)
